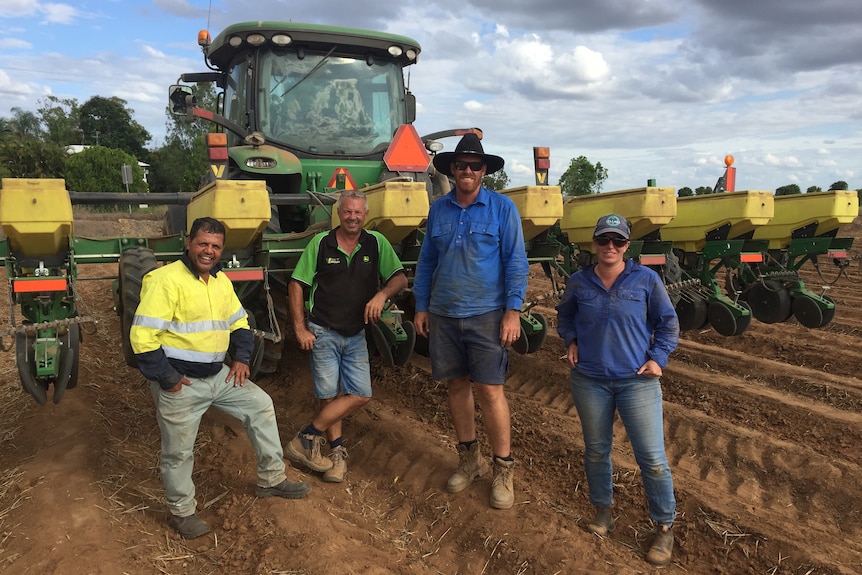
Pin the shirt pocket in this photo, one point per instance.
(631, 303)
(588, 299)
(485, 235)
(440, 234)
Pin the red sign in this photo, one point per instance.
(407, 153)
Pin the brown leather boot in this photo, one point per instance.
(661, 551)
(502, 488)
(471, 465)
(604, 521)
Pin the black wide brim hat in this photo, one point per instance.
(469, 144)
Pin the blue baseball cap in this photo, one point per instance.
(612, 223)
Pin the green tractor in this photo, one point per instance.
(304, 112)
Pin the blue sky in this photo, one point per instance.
(658, 89)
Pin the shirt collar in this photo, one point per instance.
(481, 197)
(213, 271)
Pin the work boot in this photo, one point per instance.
(502, 490)
(190, 526)
(471, 465)
(662, 546)
(287, 489)
(305, 449)
(604, 521)
(338, 456)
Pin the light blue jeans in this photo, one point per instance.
(639, 402)
(179, 416)
(339, 358)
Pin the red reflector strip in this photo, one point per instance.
(649, 260)
(751, 258)
(244, 275)
(836, 254)
(217, 154)
(543, 164)
(37, 285)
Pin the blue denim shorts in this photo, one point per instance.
(336, 357)
(468, 346)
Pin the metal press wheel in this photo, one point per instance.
(770, 302)
(807, 312)
(722, 319)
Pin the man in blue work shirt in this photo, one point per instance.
(470, 285)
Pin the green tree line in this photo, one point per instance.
(41, 144)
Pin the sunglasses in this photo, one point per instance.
(605, 240)
(461, 165)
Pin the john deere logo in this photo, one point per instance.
(613, 221)
(366, 259)
(333, 260)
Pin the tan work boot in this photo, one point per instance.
(662, 546)
(471, 465)
(338, 456)
(604, 521)
(305, 449)
(502, 488)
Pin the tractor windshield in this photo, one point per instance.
(328, 105)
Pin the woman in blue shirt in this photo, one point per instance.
(619, 327)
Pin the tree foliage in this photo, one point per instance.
(582, 177)
(839, 185)
(107, 122)
(497, 181)
(31, 158)
(99, 169)
(24, 124)
(788, 190)
(684, 192)
(813, 189)
(703, 190)
(61, 120)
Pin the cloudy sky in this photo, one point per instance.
(658, 89)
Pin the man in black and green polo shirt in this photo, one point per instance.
(342, 270)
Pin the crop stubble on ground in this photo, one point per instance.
(763, 434)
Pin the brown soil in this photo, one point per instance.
(763, 435)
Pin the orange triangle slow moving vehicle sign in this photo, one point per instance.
(406, 153)
(349, 182)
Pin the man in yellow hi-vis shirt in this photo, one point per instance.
(188, 315)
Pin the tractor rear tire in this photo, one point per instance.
(175, 220)
(135, 263)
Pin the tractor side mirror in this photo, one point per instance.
(410, 104)
(181, 99)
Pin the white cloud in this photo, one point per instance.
(150, 51)
(59, 13)
(14, 44)
(18, 8)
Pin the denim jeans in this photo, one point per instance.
(336, 357)
(179, 416)
(639, 402)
